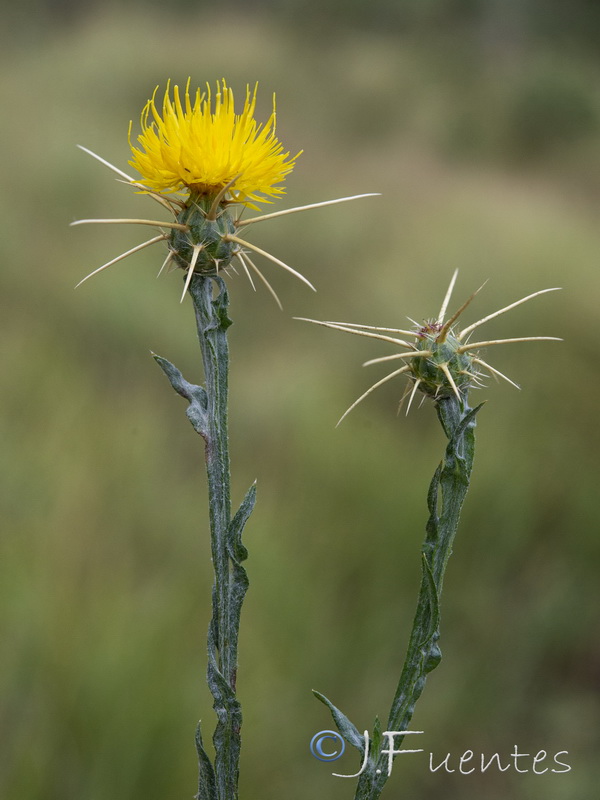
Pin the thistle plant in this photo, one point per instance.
(199, 160)
(443, 364)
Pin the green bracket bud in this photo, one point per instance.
(446, 370)
(211, 234)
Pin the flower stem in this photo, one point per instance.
(207, 411)
(212, 323)
(446, 494)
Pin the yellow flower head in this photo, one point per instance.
(194, 147)
(219, 158)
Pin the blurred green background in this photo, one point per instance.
(478, 121)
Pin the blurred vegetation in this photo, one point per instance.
(478, 121)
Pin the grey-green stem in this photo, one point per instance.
(445, 498)
(207, 411)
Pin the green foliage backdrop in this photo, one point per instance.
(486, 151)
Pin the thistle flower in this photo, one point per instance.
(441, 361)
(216, 159)
(191, 147)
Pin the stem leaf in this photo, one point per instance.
(195, 395)
(236, 526)
(433, 600)
(207, 787)
(238, 553)
(347, 729)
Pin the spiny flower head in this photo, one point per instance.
(220, 159)
(441, 362)
(445, 370)
(195, 146)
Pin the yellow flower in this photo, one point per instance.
(195, 147)
(220, 158)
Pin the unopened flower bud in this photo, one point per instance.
(445, 371)
(205, 243)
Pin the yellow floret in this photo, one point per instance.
(193, 147)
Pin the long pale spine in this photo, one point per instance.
(207, 412)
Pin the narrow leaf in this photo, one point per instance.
(236, 526)
(345, 727)
(207, 787)
(195, 395)
(432, 494)
(433, 599)
(377, 737)
(176, 379)
(466, 421)
(221, 304)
